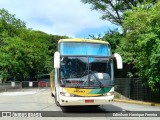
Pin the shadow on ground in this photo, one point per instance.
(91, 111)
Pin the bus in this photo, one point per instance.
(83, 73)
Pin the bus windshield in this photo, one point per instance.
(86, 71)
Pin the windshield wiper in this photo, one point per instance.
(100, 84)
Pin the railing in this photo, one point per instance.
(135, 89)
(10, 85)
(23, 84)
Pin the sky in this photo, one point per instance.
(59, 17)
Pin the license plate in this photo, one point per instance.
(89, 101)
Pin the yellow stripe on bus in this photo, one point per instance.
(80, 92)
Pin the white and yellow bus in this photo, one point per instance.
(83, 73)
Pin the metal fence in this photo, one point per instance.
(135, 89)
(24, 84)
(10, 85)
(34, 84)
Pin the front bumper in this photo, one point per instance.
(80, 101)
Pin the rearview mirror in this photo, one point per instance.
(56, 60)
(118, 60)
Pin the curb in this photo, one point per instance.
(137, 102)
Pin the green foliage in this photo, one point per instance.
(9, 24)
(24, 58)
(114, 38)
(142, 42)
(113, 10)
(24, 53)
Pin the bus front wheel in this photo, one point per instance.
(56, 102)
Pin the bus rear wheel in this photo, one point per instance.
(52, 94)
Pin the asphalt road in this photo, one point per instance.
(41, 100)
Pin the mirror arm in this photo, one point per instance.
(118, 60)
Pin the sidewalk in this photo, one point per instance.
(137, 102)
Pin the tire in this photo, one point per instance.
(55, 98)
(52, 94)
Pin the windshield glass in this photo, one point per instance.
(86, 71)
(94, 49)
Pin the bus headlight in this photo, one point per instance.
(66, 94)
(108, 94)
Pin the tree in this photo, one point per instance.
(24, 53)
(36, 55)
(10, 24)
(114, 38)
(141, 44)
(113, 10)
(10, 27)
